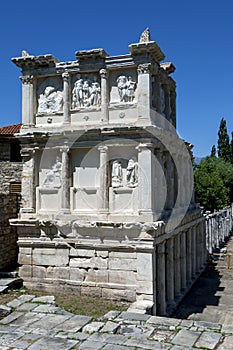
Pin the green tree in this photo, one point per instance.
(223, 141)
(213, 180)
(213, 151)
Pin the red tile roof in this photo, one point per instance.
(10, 129)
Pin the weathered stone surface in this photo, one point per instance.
(4, 310)
(50, 257)
(122, 277)
(93, 327)
(208, 340)
(122, 264)
(53, 344)
(186, 337)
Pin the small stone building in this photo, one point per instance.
(107, 187)
(10, 188)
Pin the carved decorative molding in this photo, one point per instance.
(144, 68)
(27, 79)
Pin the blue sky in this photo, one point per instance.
(197, 36)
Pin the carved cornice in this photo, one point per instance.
(27, 79)
(91, 54)
(149, 47)
(35, 61)
(168, 67)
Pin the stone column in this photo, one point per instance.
(104, 95)
(170, 270)
(183, 259)
(65, 180)
(103, 190)
(194, 253)
(66, 98)
(145, 176)
(28, 182)
(177, 272)
(161, 280)
(198, 247)
(189, 256)
(144, 89)
(28, 100)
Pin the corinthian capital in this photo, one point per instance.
(27, 79)
(66, 76)
(144, 68)
(104, 73)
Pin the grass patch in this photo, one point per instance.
(79, 305)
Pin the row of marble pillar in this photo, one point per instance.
(178, 261)
(218, 228)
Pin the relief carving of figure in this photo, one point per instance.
(132, 173)
(126, 88)
(86, 94)
(77, 94)
(53, 176)
(116, 173)
(50, 101)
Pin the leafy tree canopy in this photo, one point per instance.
(213, 183)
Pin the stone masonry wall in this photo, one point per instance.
(9, 172)
(8, 234)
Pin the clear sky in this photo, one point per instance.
(197, 36)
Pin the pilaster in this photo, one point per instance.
(66, 98)
(65, 197)
(145, 176)
(144, 90)
(103, 195)
(28, 181)
(28, 100)
(104, 95)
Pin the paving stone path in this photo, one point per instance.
(204, 320)
(36, 323)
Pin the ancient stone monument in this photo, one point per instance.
(107, 184)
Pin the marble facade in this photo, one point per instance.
(107, 188)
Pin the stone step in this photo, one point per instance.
(10, 283)
(8, 274)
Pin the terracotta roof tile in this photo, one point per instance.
(10, 129)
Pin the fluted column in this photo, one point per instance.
(177, 284)
(104, 94)
(144, 90)
(28, 100)
(183, 259)
(66, 98)
(161, 280)
(194, 252)
(65, 180)
(170, 270)
(189, 256)
(103, 189)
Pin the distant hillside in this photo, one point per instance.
(197, 160)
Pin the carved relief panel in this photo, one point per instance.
(49, 96)
(123, 87)
(86, 91)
